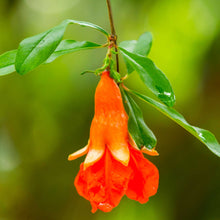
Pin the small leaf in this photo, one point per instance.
(141, 47)
(87, 71)
(139, 131)
(7, 62)
(88, 24)
(115, 75)
(69, 46)
(206, 137)
(153, 77)
(144, 44)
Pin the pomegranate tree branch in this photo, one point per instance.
(113, 33)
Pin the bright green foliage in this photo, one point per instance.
(69, 46)
(7, 62)
(116, 76)
(88, 24)
(138, 129)
(47, 46)
(35, 50)
(206, 137)
(153, 77)
(129, 46)
(141, 46)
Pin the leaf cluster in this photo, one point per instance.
(49, 45)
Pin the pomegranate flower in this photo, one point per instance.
(113, 166)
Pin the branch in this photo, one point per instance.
(113, 33)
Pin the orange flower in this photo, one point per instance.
(114, 166)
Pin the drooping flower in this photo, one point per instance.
(113, 166)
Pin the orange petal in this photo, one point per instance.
(151, 152)
(95, 153)
(120, 152)
(104, 183)
(78, 153)
(145, 178)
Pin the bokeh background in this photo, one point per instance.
(46, 114)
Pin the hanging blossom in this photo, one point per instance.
(113, 166)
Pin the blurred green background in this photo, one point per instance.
(46, 114)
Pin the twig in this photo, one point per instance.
(113, 33)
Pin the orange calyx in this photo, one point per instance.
(109, 125)
(78, 153)
(151, 152)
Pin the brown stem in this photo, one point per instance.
(110, 17)
(113, 33)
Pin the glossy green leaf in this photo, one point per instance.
(153, 77)
(144, 44)
(35, 50)
(129, 46)
(7, 59)
(70, 46)
(139, 131)
(206, 137)
(7, 62)
(141, 47)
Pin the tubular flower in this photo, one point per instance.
(113, 166)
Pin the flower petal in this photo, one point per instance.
(104, 183)
(117, 137)
(120, 152)
(151, 152)
(78, 153)
(145, 178)
(94, 154)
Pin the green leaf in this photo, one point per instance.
(69, 46)
(115, 75)
(206, 137)
(144, 44)
(7, 62)
(129, 46)
(139, 131)
(87, 71)
(35, 50)
(88, 24)
(141, 47)
(153, 77)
